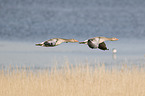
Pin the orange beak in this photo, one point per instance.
(76, 41)
(117, 39)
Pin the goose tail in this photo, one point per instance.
(82, 42)
(39, 44)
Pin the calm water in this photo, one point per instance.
(26, 54)
(26, 22)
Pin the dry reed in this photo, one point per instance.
(73, 81)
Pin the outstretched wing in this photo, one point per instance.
(92, 43)
(102, 46)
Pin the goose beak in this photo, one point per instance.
(76, 41)
(117, 39)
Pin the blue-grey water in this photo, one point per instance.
(26, 22)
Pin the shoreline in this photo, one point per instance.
(72, 81)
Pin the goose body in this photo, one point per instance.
(55, 41)
(98, 42)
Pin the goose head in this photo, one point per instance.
(113, 39)
(72, 40)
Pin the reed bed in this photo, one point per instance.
(73, 81)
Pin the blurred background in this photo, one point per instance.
(26, 22)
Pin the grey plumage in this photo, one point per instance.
(98, 42)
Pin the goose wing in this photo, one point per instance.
(93, 43)
(102, 46)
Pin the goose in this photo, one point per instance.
(55, 41)
(98, 42)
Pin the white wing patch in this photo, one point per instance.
(96, 41)
(101, 40)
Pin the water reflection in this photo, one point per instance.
(26, 54)
(114, 56)
(114, 51)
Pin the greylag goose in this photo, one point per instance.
(98, 42)
(55, 41)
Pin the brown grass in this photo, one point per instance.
(74, 81)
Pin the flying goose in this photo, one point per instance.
(98, 42)
(55, 41)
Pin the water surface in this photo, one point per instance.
(26, 54)
(26, 22)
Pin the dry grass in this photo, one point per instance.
(74, 81)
